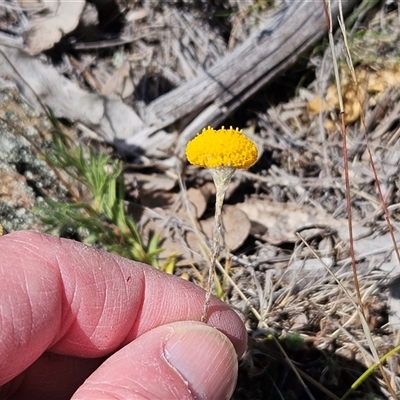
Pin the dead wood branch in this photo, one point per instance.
(212, 95)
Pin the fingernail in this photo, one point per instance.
(206, 360)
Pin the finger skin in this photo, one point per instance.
(70, 299)
(183, 360)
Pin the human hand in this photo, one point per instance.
(73, 317)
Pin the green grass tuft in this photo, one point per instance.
(97, 213)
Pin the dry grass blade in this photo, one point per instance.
(345, 157)
(377, 361)
(371, 158)
(348, 198)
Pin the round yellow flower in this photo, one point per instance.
(221, 148)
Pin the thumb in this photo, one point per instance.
(181, 360)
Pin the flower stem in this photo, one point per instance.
(222, 177)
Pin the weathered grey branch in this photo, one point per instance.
(211, 96)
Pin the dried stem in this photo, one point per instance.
(345, 157)
(221, 176)
(361, 305)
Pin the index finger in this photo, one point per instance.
(61, 295)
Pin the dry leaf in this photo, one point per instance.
(188, 253)
(371, 85)
(282, 220)
(188, 248)
(196, 197)
(157, 199)
(236, 227)
(236, 230)
(314, 106)
(120, 83)
(60, 17)
(149, 183)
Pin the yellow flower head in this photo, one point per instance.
(221, 148)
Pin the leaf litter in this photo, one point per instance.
(297, 187)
